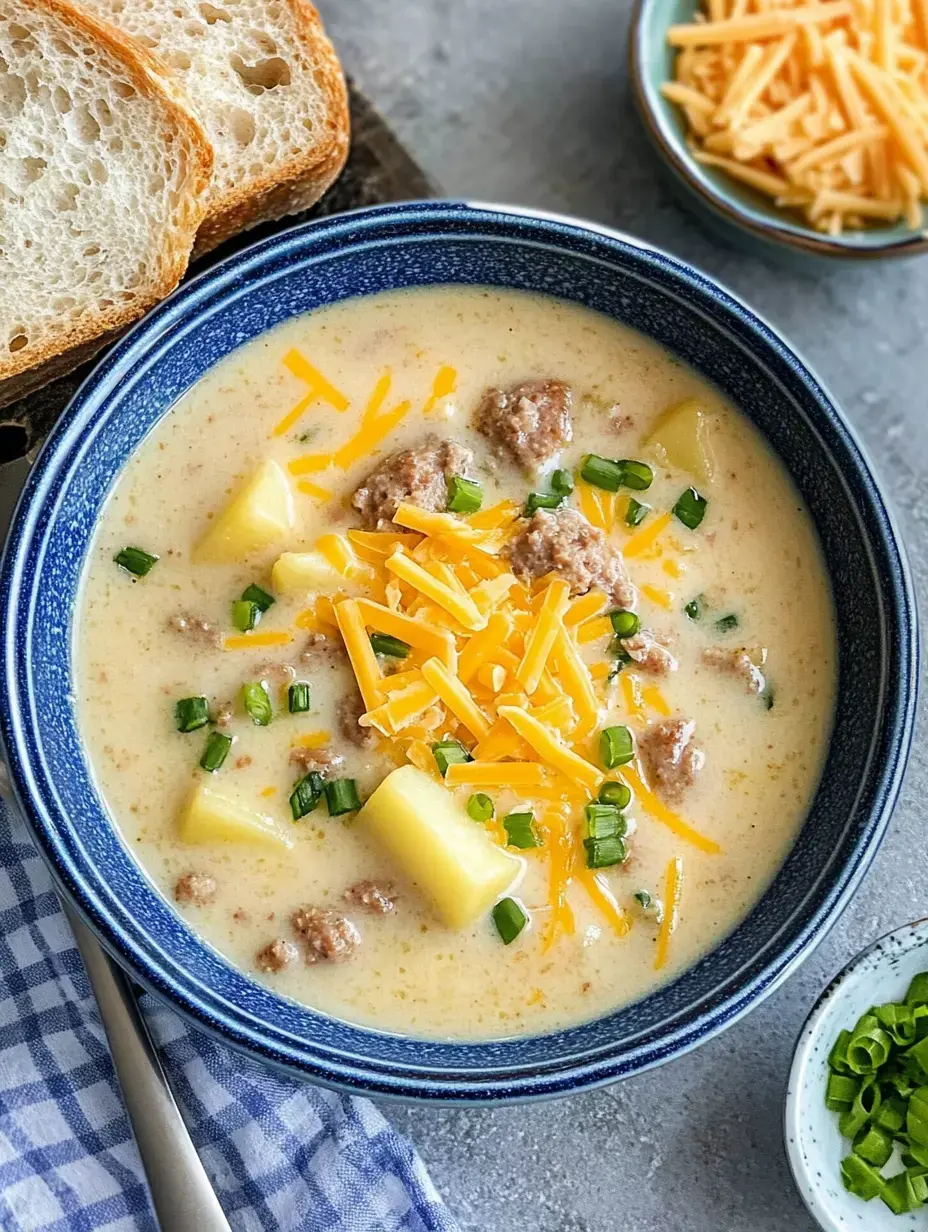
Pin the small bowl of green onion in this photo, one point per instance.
(856, 1121)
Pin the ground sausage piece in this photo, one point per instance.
(323, 761)
(277, 955)
(348, 711)
(199, 632)
(320, 649)
(223, 714)
(371, 897)
(736, 662)
(671, 759)
(276, 673)
(529, 422)
(649, 653)
(196, 889)
(564, 541)
(419, 476)
(329, 936)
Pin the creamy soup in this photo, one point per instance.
(584, 709)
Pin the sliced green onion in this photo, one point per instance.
(768, 697)
(625, 623)
(919, 1185)
(866, 1105)
(643, 899)
(616, 747)
(873, 1145)
(860, 1178)
(449, 753)
(216, 751)
(915, 1155)
(690, 509)
(562, 483)
(257, 703)
(695, 608)
(383, 644)
(245, 615)
(917, 993)
(868, 1049)
(306, 794)
(601, 472)
(916, 1117)
(464, 495)
(191, 713)
(636, 475)
(898, 1194)
(135, 561)
(509, 918)
(726, 623)
(615, 793)
(899, 1021)
(840, 1092)
(636, 512)
(604, 852)
(520, 830)
(541, 500)
(341, 796)
(480, 807)
(604, 821)
(256, 594)
(891, 1115)
(298, 697)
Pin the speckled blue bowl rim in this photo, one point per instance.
(327, 1050)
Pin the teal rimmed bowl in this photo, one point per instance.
(722, 203)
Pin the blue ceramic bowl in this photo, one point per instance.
(413, 245)
(721, 201)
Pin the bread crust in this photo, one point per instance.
(290, 187)
(85, 336)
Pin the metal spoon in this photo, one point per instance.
(180, 1190)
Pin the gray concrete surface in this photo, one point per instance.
(527, 102)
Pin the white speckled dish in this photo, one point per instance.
(815, 1149)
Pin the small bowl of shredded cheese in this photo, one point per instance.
(804, 122)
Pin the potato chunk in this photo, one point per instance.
(209, 817)
(296, 572)
(260, 513)
(449, 856)
(681, 437)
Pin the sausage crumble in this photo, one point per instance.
(371, 897)
(197, 631)
(563, 541)
(276, 955)
(195, 889)
(737, 662)
(529, 422)
(649, 652)
(418, 476)
(329, 936)
(671, 759)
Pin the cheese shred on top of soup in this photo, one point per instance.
(458, 662)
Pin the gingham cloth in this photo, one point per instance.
(281, 1155)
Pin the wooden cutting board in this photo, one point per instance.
(379, 169)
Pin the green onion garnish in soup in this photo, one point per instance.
(636, 512)
(216, 751)
(615, 793)
(690, 508)
(603, 821)
(725, 624)
(542, 500)
(520, 831)
(257, 703)
(383, 644)
(768, 696)
(562, 483)
(601, 472)
(695, 608)
(245, 615)
(298, 697)
(480, 807)
(464, 495)
(624, 623)
(135, 561)
(341, 796)
(878, 1086)
(643, 899)
(604, 852)
(306, 794)
(449, 753)
(255, 594)
(636, 475)
(509, 918)
(191, 713)
(616, 746)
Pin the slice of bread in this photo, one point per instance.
(267, 86)
(103, 178)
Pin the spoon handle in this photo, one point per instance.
(182, 1195)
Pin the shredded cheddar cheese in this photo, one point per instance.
(254, 641)
(673, 891)
(821, 107)
(518, 774)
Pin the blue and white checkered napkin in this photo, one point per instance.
(281, 1155)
